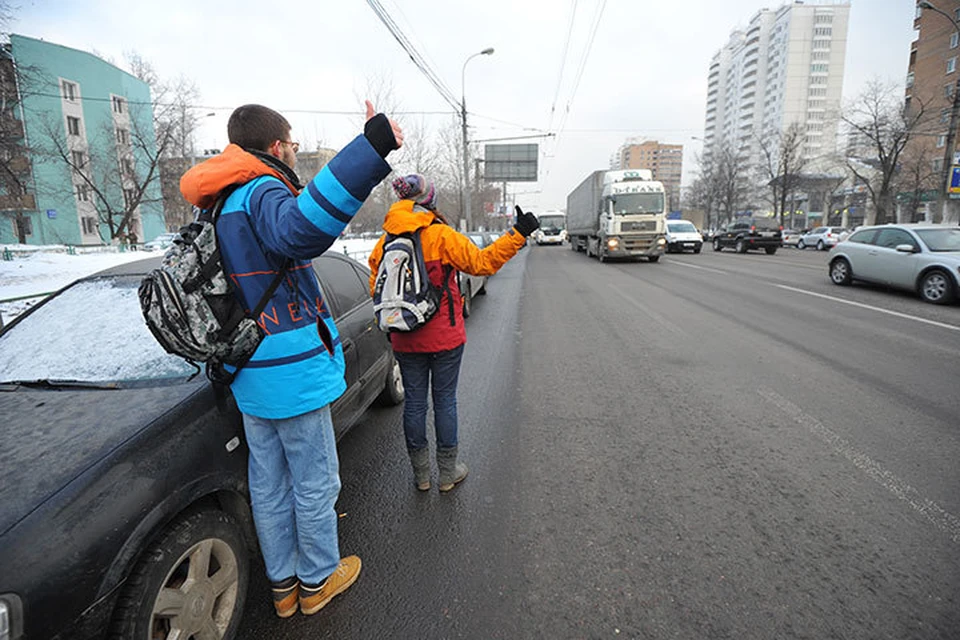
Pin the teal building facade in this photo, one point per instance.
(88, 137)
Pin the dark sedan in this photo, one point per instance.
(123, 493)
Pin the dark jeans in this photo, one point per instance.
(439, 372)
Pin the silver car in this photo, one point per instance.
(915, 257)
(820, 237)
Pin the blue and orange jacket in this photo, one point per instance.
(442, 246)
(265, 223)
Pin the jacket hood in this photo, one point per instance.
(201, 184)
(405, 217)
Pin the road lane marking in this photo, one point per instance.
(684, 264)
(937, 515)
(942, 325)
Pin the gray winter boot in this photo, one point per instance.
(420, 459)
(451, 471)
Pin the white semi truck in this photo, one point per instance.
(618, 214)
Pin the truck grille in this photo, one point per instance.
(642, 243)
(645, 225)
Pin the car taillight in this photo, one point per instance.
(752, 228)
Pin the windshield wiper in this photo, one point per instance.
(54, 384)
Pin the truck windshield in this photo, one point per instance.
(552, 222)
(629, 203)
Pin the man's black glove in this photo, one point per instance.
(380, 134)
(527, 223)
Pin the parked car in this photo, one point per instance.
(470, 285)
(823, 238)
(924, 258)
(748, 233)
(682, 235)
(161, 243)
(123, 487)
(789, 237)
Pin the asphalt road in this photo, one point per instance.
(715, 446)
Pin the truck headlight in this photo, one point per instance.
(661, 241)
(613, 244)
(11, 617)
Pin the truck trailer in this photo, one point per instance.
(618, 214)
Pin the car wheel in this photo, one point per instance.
(771, 250)
(190, 583)
(840, 272)
(392, 393)
(740, 246)
(821, 246)
(936, 287)
(800, 245)
(716, 244)
(467, 301)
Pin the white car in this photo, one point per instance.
(682, 235)
(161, 243)
(823, 238)
(924, 258)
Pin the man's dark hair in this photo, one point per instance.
(254, 126)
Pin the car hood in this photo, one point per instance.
(52, 436)
(684, 235)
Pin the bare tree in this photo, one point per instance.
(884, 126)
(782, 166)
(730, 182)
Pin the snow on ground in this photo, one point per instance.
(37, 271)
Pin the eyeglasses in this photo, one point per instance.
(295, 145)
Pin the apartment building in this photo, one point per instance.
(785, 67)
(665, 161)
(78, 133)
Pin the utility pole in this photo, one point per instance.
(465, 204)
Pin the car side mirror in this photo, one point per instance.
(906, 248)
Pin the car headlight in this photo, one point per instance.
(613, 243)
(11, 617)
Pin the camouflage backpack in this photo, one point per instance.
(190, 305)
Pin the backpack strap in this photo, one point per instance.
(447, 270)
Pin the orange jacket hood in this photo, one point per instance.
(402, 218)
(201, 184)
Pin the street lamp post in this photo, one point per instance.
(465, 205)
(951, 132)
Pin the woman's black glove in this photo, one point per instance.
(527, 223)
(380, 134)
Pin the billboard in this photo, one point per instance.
(510, 162)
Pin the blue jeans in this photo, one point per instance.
(440, 372)
(294, 483)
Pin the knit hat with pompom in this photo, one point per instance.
(417, 188)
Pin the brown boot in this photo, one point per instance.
(312, 599)
(285, 595)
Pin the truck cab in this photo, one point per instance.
(632, 218)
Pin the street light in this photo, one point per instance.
(954, 111)
(465, 205)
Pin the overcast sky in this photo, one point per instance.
(645, 74)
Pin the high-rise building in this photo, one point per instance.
(932, 79)
(665, 161)
(77, 149)
(786, 67)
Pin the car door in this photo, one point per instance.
(896, 268)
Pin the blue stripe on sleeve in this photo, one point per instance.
(358, 168)
(335, 193)
(319, 216)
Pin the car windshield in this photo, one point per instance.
(940, 239)
(682, 227)
(552, 222)
(93, 332)
(629, 203)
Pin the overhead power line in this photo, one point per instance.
(415, 56)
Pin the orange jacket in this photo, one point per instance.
(442, 245)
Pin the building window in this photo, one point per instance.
(79, 159)
(952, 64)
(69, 90)
(123, 136)
(819, 68)
(89, 225)
(823, 19)
(937, 164)
(119, 104)
(823, 31)
(948, 90)
(129, 196)
(73, 126)
(944, 116)
(127, 165)
(954, 40)
(818, 80)
(83, 193)
(941, 141)
(956, 14)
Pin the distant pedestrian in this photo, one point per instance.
(269, 222)
(430, 356)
